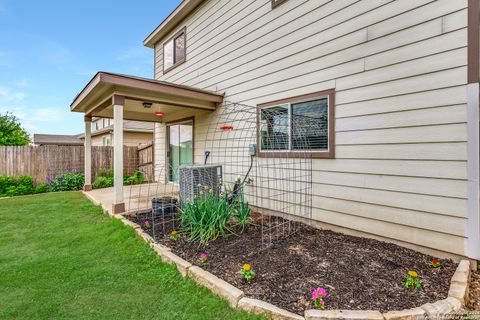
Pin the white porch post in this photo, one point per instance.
(118, 205)
(88, 154)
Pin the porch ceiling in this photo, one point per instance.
(176, 101)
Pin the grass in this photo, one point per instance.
(62, 258)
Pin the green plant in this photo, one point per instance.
(210, 215)
(11, 131)
(242, 212)
(5, 183)
(247, 272)
(174, 235)
(412, 280)
(70, 181)
(206, 218)
(102, 182)
(41, 188)
(136, 178)
(26, 182)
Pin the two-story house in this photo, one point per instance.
(398, 153)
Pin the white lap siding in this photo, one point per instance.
(399, 70)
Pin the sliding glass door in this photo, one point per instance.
(180, 142)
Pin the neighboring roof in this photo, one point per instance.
(107, 81)
(128, 126)
(57, 139)
(180, 12)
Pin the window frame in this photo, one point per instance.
(172, 39)
(324, 154)
(276, 3)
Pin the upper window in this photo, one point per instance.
(276, 3)
(298, 126)
(174, 51)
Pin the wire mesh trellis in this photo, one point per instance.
(251, 151)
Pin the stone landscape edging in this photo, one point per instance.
(457, 294)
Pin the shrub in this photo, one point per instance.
(41, 188)
(17, 191)
(27, 183)
(11, 186)
(71, 181)
(136, 178)
(102, 182)
(5, 183)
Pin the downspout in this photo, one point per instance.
(472, 241)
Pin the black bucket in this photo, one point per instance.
(164, 206)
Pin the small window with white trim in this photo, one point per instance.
(302, 124)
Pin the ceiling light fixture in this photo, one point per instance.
(147, 105)
(159, 113)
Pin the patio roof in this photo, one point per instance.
(175, 101)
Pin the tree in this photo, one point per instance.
(11, 131)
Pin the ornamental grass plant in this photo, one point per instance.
(212, 215)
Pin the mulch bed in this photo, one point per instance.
(474, 298)
(358, 273)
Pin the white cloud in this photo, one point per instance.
(48, 114)
(9, 95)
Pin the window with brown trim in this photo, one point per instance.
(276, 3)
(299, 126)
(174, 51)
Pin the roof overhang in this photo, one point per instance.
(182, 11)
(97, 98)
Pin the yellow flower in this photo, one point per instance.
(246, 267)
(174, 232)
(412, 274)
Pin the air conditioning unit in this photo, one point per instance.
(194, 178)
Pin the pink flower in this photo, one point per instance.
(203, 255)
(147, 222)
(323, 292)
(319, 292)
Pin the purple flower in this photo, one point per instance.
(203, 255)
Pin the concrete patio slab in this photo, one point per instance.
(136, 197)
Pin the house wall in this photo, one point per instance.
(399, 71)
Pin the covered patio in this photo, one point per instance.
(123, 97)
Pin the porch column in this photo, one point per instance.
(160, 152)
(88, 154)
(118, 205)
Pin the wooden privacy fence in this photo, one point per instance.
(145, 161)
(45, 162)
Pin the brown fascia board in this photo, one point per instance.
(117, 79)
(173, 19)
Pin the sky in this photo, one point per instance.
(49, 50)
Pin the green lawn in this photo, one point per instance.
(62, 258)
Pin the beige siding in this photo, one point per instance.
(399, 70)
(131, 139)
(137, 138)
